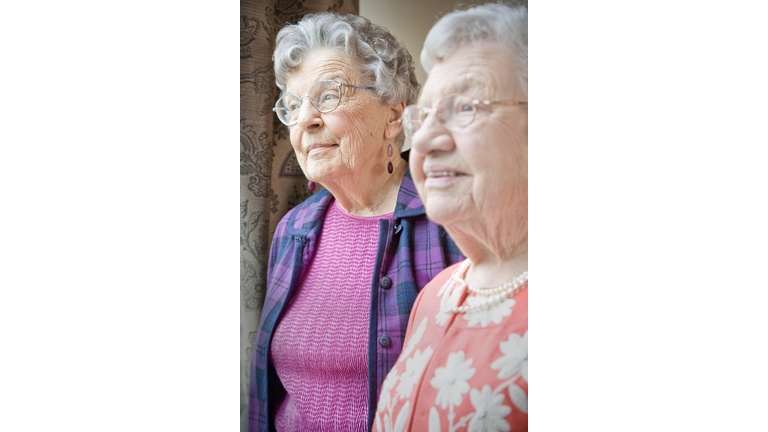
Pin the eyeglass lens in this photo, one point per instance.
(453, 111)
(324, 96)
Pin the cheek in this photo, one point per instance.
(368, 115)
(416, 163)
(502, 175)
(296, 144)
(355, 132)
(502, 149)
(355, 128)
(295, 136)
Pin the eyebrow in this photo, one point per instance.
(337, 78)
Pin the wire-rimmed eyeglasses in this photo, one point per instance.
(454, 112)
(325, 96)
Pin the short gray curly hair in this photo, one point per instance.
(499, 23)
(385, 63)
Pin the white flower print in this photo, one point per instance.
(515, 358)
(386, 386)
(486, 315)
(441, 318)
(434, 420)
(524, 369)
(518, 397)
(451, 380)
(413, 369)
(414, 339)
(402, 417)
(490, 411)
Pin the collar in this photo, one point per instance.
(310, 214)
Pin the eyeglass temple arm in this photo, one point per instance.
(357, 86)
(509, 102)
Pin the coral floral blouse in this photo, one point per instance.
(459, 372)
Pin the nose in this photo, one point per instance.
(432, 136)
(309, 116)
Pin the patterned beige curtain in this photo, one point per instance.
(271, 182)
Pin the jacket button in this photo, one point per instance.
(385, 283)
(385, 341)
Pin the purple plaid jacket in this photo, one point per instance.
(412, 250)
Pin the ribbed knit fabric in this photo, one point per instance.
(320, 347)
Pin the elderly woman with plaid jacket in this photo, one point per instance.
(347, 264)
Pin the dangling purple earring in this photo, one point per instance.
(390, 168)
(311, 186)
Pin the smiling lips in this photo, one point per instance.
(316, 148)
(443, 174)
(441, 177)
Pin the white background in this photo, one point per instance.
(119, 277)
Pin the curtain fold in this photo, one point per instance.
(271, 181)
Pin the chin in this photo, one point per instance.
(439, 212)
(318, 172)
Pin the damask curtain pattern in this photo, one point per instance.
(271, 182)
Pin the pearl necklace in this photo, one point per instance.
(494, 295)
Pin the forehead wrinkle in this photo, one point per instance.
(467, 82)
(325, 73)
(323, 67)
(491, 75)
(460, 85)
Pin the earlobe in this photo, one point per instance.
(395, 125)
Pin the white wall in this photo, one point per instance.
(410, 21)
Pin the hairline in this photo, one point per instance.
(503, 24)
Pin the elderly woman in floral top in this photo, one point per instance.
(465, 363)
(347, 264)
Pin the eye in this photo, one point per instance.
(330, 95)
(465, 108)
(293, 106)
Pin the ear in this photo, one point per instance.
(394, 126)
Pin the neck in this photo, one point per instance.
(365, 195)
(496, 258)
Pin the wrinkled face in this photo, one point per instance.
(346, 140)
(480, 171)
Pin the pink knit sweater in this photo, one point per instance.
(320, 347)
